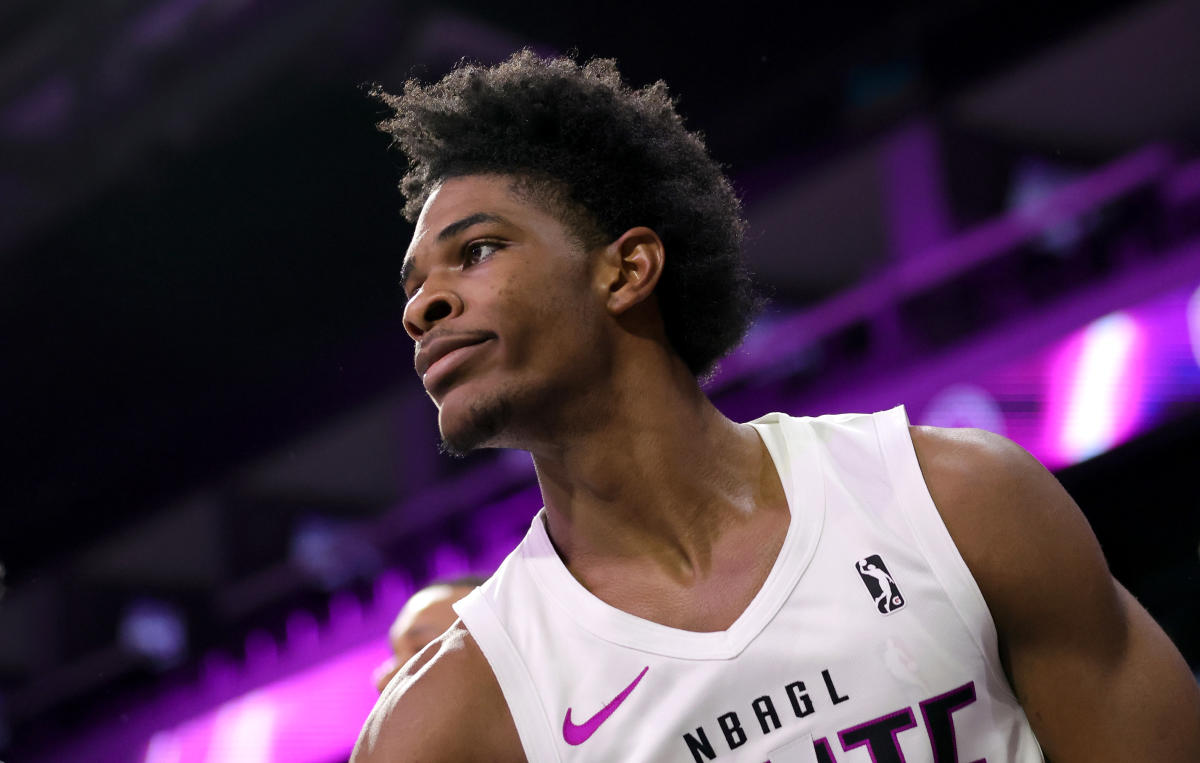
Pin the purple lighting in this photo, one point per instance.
(965, 405)
(794, 334)
(311, 717)
(1095, 389)
(155, 629)
(1089, 392)
(1034, 182)
(1193, 324)
(449, 562)
(917, 214)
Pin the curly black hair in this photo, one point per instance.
(607, 158)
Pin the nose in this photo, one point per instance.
(428, 307)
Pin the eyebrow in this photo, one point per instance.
(451, 230)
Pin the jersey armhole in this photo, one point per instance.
(933, 539)
(512, 675)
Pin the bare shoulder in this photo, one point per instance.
(443, 705)
(966, 462)
(1017, 528)
(989, 489)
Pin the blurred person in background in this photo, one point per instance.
(820, 589)
(423, 618)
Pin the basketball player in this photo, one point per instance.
(691, 590)
(424, 617)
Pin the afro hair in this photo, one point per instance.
(606, 158)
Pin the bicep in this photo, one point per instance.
(1108, 687)
(1097, 677)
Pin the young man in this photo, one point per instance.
(844, 588)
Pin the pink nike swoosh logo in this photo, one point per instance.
(579, 734)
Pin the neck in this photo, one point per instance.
(656, 474)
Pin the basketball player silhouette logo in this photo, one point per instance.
(880, 584)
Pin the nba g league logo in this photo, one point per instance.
(880, 584)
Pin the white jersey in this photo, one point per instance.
(869, 640)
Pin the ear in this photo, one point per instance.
(632, 265)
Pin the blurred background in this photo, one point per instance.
(219, 477)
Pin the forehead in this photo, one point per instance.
(458, 198)
(466, 191)
(422, 602)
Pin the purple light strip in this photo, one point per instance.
(1193, 324)
(1019, 338)
(311, 717)
(1094, 389)
(912, 276)
(912, 181)
(993, 239)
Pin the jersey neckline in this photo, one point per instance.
(793, 448)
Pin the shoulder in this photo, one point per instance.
(986, 486)
(1020, 533)
(959, 456)
(988, 489)
(443, 705)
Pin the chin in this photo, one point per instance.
(472, 424)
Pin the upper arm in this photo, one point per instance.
(1099, 680)
(443, 705)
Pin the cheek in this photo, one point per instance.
(547, 322)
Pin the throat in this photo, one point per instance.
(700, 598)
(679, 525)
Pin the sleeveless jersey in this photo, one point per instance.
(869, 641)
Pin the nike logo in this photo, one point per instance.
(574, 734)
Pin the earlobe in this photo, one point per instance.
(637, 259)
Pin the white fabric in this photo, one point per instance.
(811, 663)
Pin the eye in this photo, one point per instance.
(478, 251)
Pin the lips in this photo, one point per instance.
(436, 357)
